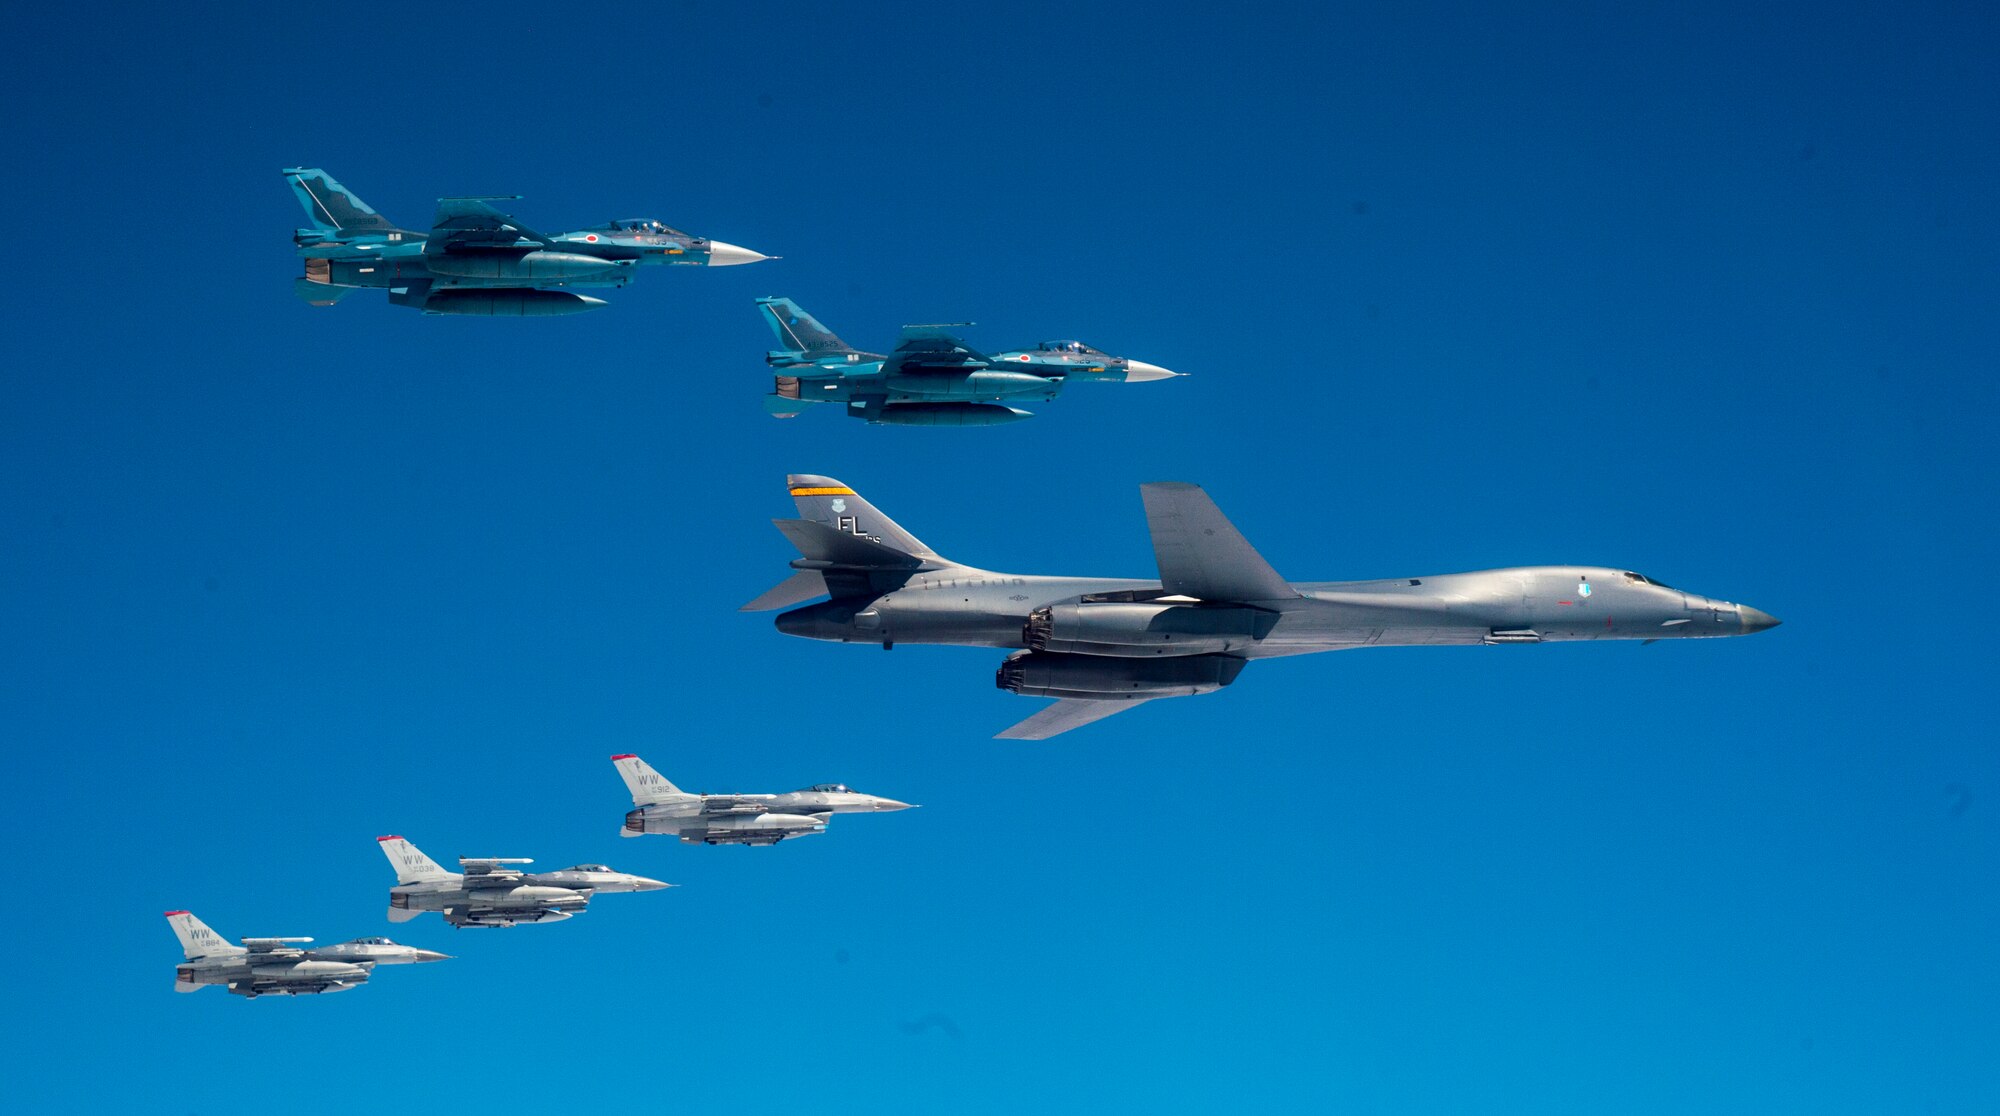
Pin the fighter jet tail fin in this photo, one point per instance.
(1202, 554)
(647, 785)
(409, 861)
(799, 332)
(197, 940)
(332, 207)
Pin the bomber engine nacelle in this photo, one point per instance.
(1094, 677)
(1144, 629)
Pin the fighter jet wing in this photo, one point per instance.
(1066, 714)
(469, 224)
(1201, 554)
(932, 348)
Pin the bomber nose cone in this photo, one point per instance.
(729, 255)
(428, 955)
(1138, 372)
(1757, 620)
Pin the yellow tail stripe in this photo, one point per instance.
(822, 492)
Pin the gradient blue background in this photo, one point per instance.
(1687, 288)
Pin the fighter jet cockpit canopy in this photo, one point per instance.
(642, 226)
(829, 788)
(588, 868)
(370, 941)
(1642, 579)
(1070, 348)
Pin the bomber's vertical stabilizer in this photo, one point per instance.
(197, 940)
(826, 501)
(409, 861)
(647, 785)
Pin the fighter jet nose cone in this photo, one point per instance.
(729, 255)
(892, 804)
(644, 884)
(1757, 620)
(427, 955)
(1138, 372)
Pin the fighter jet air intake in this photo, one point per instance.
(1100, 646)
(475, 259)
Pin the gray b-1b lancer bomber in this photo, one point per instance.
(1101, 646)
(735, 819)
(277, 966)
(932, 379)
(492, 892)
(475, 259)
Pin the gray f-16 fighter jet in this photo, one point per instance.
(492, 892)
(277, 966)
(476, 259)
(735, 819)
(1101, 646)
(932, 379)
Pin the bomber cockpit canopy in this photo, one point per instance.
(830, 788)
(643, 225)
(1642, 579)
(1070, 348)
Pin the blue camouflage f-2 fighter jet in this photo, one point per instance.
(931, 379)
(476, 259)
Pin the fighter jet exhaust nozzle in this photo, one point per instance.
(1050, 674)
(1144, 629)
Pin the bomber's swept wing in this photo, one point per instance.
(932, 348)
(1066, 714)
(1202, 554)
(469, 224)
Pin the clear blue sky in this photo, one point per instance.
(1697, 290)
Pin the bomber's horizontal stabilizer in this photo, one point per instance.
(1064, 715)
(798, 588)
(1201, 554)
